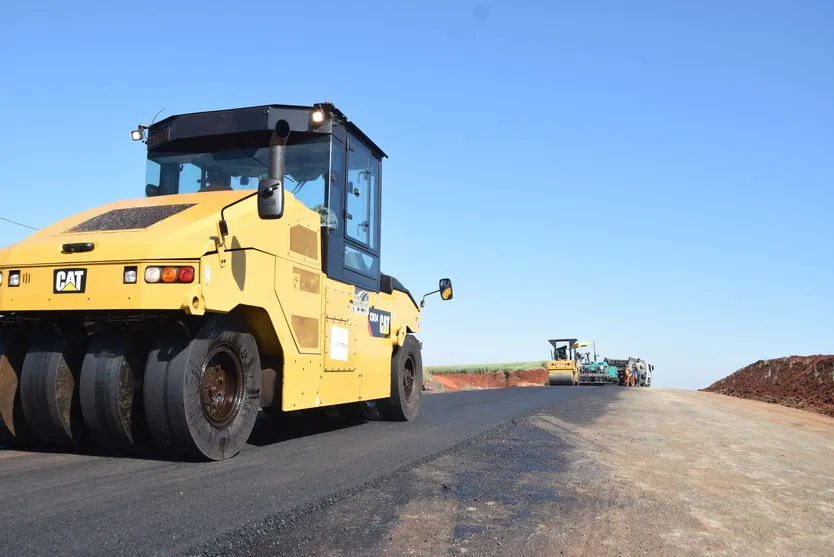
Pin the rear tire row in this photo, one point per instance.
(192, 396)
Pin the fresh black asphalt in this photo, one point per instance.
(78, 504)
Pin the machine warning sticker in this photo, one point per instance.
(379, 323)
(361, 300)
(339, 344)
(69, 281)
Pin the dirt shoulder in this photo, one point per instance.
(623, 472)
(494, 380)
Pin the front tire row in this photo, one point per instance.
(202, 394)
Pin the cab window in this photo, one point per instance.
(362, 215)
(238, 163)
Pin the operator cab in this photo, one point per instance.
(563, 348)
(330, 166)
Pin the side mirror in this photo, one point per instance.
(270, 198)
(445, 288)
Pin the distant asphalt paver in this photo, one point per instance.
(79, 504)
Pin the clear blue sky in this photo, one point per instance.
(656, 176)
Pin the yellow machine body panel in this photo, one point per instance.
(93, 287)
(562, 372)
(335, 339)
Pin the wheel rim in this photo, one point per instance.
(409, 378)
(221, 389)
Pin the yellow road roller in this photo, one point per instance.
(247, 276)
(563, 368)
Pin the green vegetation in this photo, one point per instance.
(484, 368)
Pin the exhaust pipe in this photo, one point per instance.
(271, 189)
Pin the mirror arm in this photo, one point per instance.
(223, 227)
(423, 299)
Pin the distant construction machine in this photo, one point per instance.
(623, 371)
(563, 368)
(632, 372)
(597, 373)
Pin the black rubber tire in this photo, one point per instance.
(111, 391)
(168, 350)
(173, 387)
(49, 390)
(14, 431)
(404, 403)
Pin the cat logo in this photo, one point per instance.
(69, 281)
(379, 323)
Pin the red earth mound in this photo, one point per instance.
(497, 380)
(805, 382)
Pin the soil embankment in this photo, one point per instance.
(805, 382)
(496, 380)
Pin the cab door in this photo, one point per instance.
(340, 381)
(361, 216)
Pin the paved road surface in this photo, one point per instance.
(525, 471)
(83, 505)
(622, 472)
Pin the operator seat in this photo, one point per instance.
(217, 180)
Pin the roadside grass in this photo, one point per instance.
(484, 368)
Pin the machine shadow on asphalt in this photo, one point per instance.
(267, 431)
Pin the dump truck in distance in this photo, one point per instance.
(248, 277)
(643, 373)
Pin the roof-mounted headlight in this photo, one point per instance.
(139, 133)
(318, 116)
